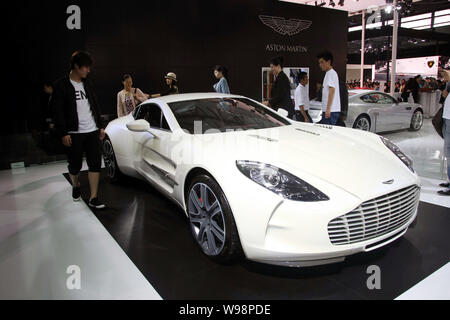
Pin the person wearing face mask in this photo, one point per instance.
(281, 89)
(129, 98)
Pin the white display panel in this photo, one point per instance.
(408, 68)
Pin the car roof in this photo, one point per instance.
(195, 96)
(361, 91)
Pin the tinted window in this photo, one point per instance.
(225, 114)
(385, 99)
(152, 114)
(379, 98)
(369, 98)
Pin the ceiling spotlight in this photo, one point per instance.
(332, 4)
(341, 3)
(321, 4)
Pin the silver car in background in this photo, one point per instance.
(377, 111)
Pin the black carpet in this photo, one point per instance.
(155, 234)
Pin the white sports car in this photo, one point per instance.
(256, 184)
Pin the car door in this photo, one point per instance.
(395, 112)
(375, 110)
(405, 111)
(154, 161)
(384, 111)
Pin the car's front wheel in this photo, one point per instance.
(211, 220)
(416, 121)
(112, 170)
(362, 123)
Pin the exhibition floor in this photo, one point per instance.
(425, 147)
(141, 248)
(43, 232)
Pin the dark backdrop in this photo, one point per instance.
(149, 39)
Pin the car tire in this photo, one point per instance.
(416, 121)
(109, 157)
(362, 123)
(214, 230)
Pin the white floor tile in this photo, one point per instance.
(434, 287)
(425, 147)
(429, 194)
(42, 233)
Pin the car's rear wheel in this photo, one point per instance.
(109, 157)
(416, 121)
(362, 123)
(211, 220)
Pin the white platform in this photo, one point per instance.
(434, 287)
(42, 233)
(425, 147)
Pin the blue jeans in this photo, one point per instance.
(332, 120)
(446, 134)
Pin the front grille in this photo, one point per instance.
(375, 218)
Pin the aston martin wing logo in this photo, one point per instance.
(285, 27)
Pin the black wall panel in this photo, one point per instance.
(150, 38)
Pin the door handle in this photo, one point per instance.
(408, 108)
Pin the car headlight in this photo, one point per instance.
(396, 150)
(280, 182)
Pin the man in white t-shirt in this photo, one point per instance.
(78, 123)
(446, 134)
(301, 98)
(331, 100)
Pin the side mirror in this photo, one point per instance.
(283, 112)
(139, 126)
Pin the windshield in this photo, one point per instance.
(224, 115)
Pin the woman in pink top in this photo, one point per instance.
(129, 98)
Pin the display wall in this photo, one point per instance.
(150, 38)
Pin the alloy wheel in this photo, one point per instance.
(363, 124)
(108, 156)
(207, 219)
(417, 120)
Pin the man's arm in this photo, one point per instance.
(101, 124)
(303, 112)
(57, 103)
(330, 102)
(120, 112)
(276, 97)
(57, 106)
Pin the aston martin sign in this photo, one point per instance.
(285, 27)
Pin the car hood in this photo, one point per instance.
(356, 161)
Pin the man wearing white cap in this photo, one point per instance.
(171, 81)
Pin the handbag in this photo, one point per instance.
(438, 122)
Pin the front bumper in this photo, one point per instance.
(296, 234)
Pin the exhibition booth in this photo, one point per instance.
(209, 195)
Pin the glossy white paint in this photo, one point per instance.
(348, 165)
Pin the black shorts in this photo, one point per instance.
(88, 143)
